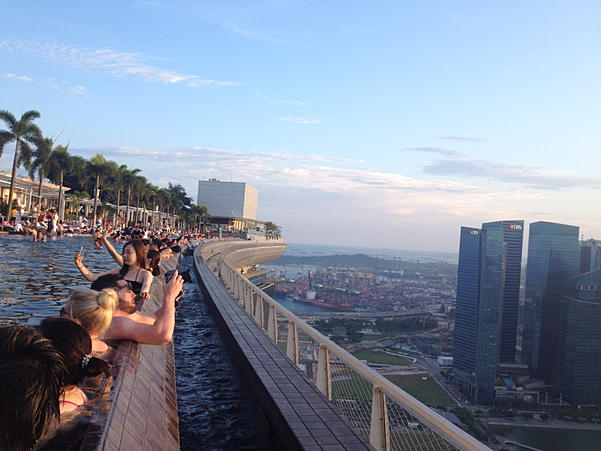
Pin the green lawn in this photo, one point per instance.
(427, 391)
(381, 357)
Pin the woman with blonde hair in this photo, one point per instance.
(93, 310)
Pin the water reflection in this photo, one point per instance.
(36, 278)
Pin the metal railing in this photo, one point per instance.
(388, 417)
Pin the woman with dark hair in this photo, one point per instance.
(133, 268)
(74, 344)
(32, 373)
(152, 261)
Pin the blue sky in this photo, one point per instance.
(386, 124)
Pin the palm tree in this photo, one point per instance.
(139, 185)
(151, 195)
(99, 168)
(128, 180)
(60, 162)
(41, 164)
(118, 185)
(78, 177)
(164, 198)
(23, 132)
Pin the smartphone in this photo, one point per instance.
(81, 251)
(169, 275)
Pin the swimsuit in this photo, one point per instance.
(135, 285)
(62, 401)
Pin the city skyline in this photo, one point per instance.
(398, 123)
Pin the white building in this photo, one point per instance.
(233, 200)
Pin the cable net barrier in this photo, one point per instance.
(388, 417)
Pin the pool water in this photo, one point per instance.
(36, 279)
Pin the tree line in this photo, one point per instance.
(97, 178)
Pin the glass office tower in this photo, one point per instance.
(578, 363)
(553, 262)
(488, 283)
(466, 309)
(500, 274)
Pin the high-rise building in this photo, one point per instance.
(578, 363)
(466, 311)
(500, 277)
(488, 283)
(590, 255)
(553, 260)
(228, 199)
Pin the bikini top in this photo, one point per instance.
(135, 285)
(83, 399)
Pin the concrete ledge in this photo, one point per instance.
(143, 414)
(243, 253)
(138, 410)
(291, 412)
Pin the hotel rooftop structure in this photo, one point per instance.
(229, 203)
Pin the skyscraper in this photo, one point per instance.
(553, 261)
(590, 255)
(578, 363)
(500, 277)
(466, 312)
(488, 283)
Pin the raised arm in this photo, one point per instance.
(86, 273)
(109, 247)
(123, 328)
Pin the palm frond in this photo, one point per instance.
(25, 154)
(8, 117)
(30, 115)
(5, 138)
(32, 133)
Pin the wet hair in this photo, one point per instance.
(140, 252)
(106, 281)
(157, 242)
(93, 309)
(32, 374)
(74, 345)
(146, 242)
(155, 258)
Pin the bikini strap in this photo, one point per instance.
(69, 402)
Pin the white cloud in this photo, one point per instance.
(11, 76)
(112, 62)
(78, 89)
(329, 199)
(300, 120)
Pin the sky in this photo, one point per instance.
(383, 124)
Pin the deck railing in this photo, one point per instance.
(389, 418)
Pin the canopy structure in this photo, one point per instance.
(26, 191)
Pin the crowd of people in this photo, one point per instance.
(42, 367)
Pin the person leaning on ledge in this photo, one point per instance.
(126, 304)
(158, 333)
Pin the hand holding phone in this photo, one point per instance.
(169, 275)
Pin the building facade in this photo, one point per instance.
(231, 200)
(553, 261)
(488, 282)
(578, 363)
(466, 307)
(590, 255)
(502, 263)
